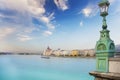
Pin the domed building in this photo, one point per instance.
(48, 51)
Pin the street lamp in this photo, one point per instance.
(104, 5)
(105, 47)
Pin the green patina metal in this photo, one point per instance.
(104, 23)
(105, 47)
(104, 2)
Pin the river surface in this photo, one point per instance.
(33, 67)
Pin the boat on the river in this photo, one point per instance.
(46, 57)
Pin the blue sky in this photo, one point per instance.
(32, 25)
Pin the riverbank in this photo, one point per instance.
(50, 56)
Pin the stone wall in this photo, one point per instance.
(114, 65)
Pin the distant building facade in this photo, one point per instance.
(74, 53)
(47, 52)
(84, 53)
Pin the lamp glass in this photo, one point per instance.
(104, 8)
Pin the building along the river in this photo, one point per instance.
(47, 52)
(84, 53)
(74, 53)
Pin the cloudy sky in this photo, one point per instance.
(32, 25)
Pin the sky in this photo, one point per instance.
(33, 25)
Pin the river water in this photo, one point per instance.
(33, 67)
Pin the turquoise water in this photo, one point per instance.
(19, 67)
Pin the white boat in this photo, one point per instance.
(46, 57)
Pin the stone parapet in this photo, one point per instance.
(114, 65)
(105, 76)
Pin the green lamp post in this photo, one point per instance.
(105, 47)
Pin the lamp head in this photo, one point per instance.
(104, 5)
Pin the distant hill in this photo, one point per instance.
(118, 48)
(5, 53)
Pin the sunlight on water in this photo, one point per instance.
(19, 67)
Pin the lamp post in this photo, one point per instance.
(105, 47)
(104, 5)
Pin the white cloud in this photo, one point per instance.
(6, 31)
(32, 6)
(23, 34)
(36, 6)
(44, 19)
(51, 26)
(30, 29)
(62, 4)
(89, 10)
(23, 38)
(47, 33)
(81, 23)
(47, 20)
(25, 10)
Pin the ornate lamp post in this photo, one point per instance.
(105, 47)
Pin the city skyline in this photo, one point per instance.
(32, 25)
